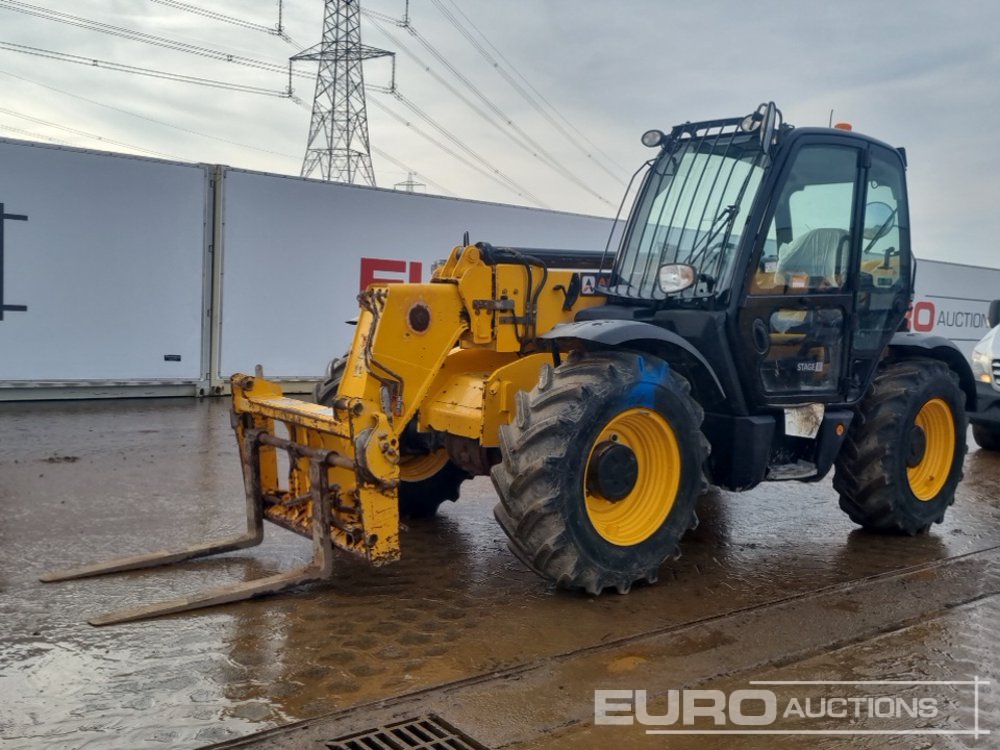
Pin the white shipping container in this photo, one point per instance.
(952, 301)
(297, 252)
(109, 264)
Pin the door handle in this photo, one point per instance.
(760, 337)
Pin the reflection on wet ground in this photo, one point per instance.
(90, 480)
(956, 646)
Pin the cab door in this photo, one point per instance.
(795, 323)
(885, 278)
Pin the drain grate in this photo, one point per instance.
(424, 733)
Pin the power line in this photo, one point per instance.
(85, 134)
(546, 156)
(383, 154)
(60, 57)
(29, 133)
(525, 142)
(440, 79)
(171, 44)
(518, 188)
(373, 14)
(219, 16)
(521, 90)
(485, 172)
(138, 36)
(145, 117)
(149, 72)
(527, 83)
(277, 30)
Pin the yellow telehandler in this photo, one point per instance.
(750, 327)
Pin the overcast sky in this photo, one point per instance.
(921, 74)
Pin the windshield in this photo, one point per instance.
(696, 192)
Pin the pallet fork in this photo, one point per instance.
(310, 504)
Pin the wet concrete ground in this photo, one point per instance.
(774, 584)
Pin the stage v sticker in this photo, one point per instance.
(4, 218)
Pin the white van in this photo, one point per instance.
(986, 369)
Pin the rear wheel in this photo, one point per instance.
(986, 438)
(902, 458)
(600, 471)
(426, 480)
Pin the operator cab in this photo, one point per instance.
(794, 241)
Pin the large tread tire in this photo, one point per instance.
(986, 438)
(419, 499)
(540, 481)
(871, 469)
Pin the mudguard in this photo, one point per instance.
(611, 333)
(909, 344)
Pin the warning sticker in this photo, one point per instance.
(590, 284)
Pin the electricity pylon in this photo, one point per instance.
(338, 143)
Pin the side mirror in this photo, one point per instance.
(772, 122)
(993, 316)
(767, 120)
(676, 277)
(879, 218)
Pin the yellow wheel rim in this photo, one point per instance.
(639, 514)
(417, 468)
(928, 477)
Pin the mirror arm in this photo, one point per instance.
(888, 254)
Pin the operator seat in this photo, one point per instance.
(818, 257)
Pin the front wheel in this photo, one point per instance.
(600, 471)
(902, 458)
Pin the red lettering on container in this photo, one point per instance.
(922, 316)
(370, 267)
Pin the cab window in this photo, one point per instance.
(808, 243)
(885, 258)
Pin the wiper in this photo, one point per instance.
(881, 231)
(722, 222)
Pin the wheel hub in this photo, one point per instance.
(918, 446)
(613, 471)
